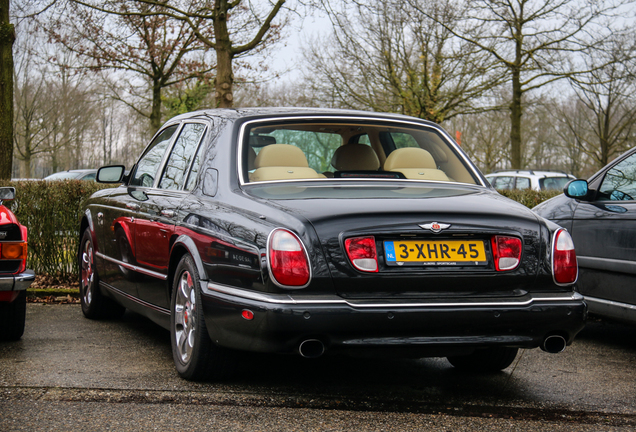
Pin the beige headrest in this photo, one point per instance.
(409, 157)
(285, 155)
(251, 158)
(352, 157)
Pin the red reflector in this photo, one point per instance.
(564, 266)
(506, 252)
(287, 259)
(247, 314)
(362, 253)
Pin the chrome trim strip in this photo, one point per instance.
(133, 267)
(288, 299)
(610, 303)
(134, 299)
(607, 264)
(353, 118)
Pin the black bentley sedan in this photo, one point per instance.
(600, 213)
(315, 231)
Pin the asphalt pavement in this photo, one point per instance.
(71, 373)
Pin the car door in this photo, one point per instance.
(155, 223)
(604, 233)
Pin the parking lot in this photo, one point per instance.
(70, 373)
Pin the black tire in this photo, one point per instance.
(12, 318)
(94, 304)
(491, 359)
(195, 356)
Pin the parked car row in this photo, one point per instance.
(314, 231)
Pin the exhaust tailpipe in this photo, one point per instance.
(311, 348)
(554, 344)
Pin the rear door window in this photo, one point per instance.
(181, 156)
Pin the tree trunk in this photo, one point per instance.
(7, 36)
(515, 121)
(224, 76)
(155, 114)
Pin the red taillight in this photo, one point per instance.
(564, 266)
(362, 253)
(506, 252)
(287, 259)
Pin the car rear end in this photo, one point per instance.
(14, 276)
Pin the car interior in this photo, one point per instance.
(321, 150)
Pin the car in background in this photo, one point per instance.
(600, 214)
(314, 231)
(529, 179)
(78, 174)
(14, 277)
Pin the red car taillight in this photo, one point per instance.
(362, 253)
(288, 261)
(506, 252)
(564, 266)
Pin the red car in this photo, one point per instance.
(14, 277)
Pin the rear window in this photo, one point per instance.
(327, 150)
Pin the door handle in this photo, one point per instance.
(132, 206)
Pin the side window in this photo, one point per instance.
(402, 140)
(194, 171)
(181, 156)
(503, 182)
(523, 183)
(149, 163)
(619, 183)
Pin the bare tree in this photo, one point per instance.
(389, 56)
(607, 95)
(138, 39)
(533, 39)
(240, 28)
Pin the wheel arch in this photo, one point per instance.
(184, 245)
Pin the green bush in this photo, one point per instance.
(51, 212)
(529, 197)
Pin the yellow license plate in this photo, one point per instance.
(435, 252)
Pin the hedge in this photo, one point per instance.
(51, 211)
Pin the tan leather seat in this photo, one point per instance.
(355, 157)
(282, 162)
(415, 163)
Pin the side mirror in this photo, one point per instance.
(577, 189)
(7, 193)
(110, 174)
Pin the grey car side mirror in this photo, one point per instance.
(576, 189)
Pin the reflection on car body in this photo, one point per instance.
(316, 231)
(601, 215)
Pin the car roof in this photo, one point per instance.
(257, 112)
(530, 172)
